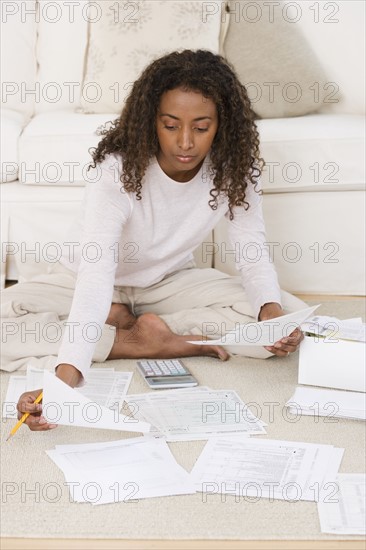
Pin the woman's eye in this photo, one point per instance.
(202, 129)
(170, 127)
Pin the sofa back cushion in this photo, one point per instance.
(18, 62)
(61, 46)
(129, 35)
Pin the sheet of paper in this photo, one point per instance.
(64, 405)
(178, 416)
(343, 512)
(264, 333)
(16, 386)
(107, 388)
(285, 470)
(330, 403)
(332, 327)
(115, 471)
(34, 378)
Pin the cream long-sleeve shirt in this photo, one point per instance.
(122, 241)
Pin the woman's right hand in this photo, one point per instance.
(35, 421)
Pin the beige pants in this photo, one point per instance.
(190, 301)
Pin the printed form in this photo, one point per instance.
(346, 513)
(195, 413)
(266, 468)
(101, 473)
(106, 387)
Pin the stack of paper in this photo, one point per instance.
(103, 386)
(116, 471)
(334, 328)
(285, 470)
(194, 413)
(344, 513)
(330, 403)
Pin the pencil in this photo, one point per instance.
(24, 417)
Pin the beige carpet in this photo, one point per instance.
(26, 467)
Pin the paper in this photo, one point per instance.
(17, 386)
(114, 471)
(334, 328)
(195, 414)
(64, 405)
(106, 387)
(344, 513)
(245, 337)
(332, 363)
(329, 403)
(265, 468)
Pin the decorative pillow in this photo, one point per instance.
(272, 58)
(128, 35)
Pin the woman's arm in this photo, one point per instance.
(106, 210)
(69, 374)
(259, 277)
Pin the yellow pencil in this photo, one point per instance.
(24, 417)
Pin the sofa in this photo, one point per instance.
(304, 68)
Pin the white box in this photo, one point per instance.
(332, 363)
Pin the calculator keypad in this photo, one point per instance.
(169, 367)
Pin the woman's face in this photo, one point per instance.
(186, 124)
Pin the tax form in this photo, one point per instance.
(346, 514)
(192, 413)
(105, 386)
(64, 405)
(265, 468)
(114, 471)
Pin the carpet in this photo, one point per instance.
(31, 507)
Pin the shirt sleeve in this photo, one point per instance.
(247, 236)
(106, 210)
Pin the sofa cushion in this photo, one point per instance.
(35, 222)
(317, 242)
(273, 59)
(320, 151)
(10, 129)
(315, 152)
(61, 46)
(53, 148)
(129, 35)
(18, 62)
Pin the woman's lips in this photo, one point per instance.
(184, 158)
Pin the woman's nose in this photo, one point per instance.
(185, 140)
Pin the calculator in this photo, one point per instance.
(166, 373)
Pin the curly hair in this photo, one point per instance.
(235, 158)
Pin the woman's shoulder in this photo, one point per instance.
(112, 161)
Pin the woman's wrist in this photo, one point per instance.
(68, 374)
(270, 311)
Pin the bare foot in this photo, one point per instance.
(120, 317)
(150, 337)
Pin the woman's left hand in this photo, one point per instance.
(286, 345)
